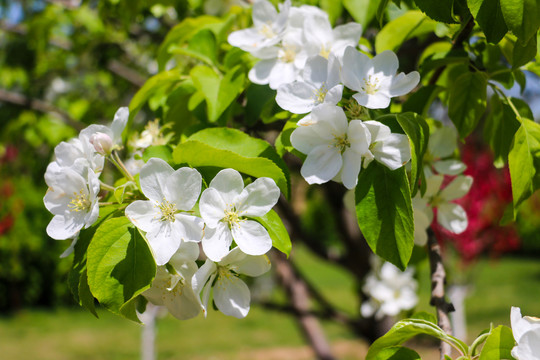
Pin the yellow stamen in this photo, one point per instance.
(80, 202)
(168, 210)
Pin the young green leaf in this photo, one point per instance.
(499, 129)
(412, 23)
(277, 231)
(120, 264)
(488, 15)
(441, 10)
(85, 296)
(362, 11)
(384, 212)
(522, 17)
(523, 53)
(467, 101)
(397, 353)
(498, 345)
(230, 148)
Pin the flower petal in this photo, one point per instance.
(212, 207)
(315, 71)
(393, 152)
(386, 63)
(442, 142)
(296, 97)
(163, 241)
(321, 164)
(449, 167)
(251, 237)
(202, 275)
(183, 188)
(229, 183)
(153, 177)
(458, 188)
(260, 73)
(253, 265)
(305, 138)
(452, 217)
(182, 302)
(232, 296)
(258, 198)
(188, 227)
(63, 227)
(216, 242)
(433, 184)
(352, 162)
(403, 84)
(355, 68)
(378, 100)
(119, 123)
(143, 214)
(379, 132)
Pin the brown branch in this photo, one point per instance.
(456, 44)
(125, 72)
(438, 298)
(39, 105)
(297, 292)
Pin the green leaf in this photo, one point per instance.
(420, 101)
(397, 353)
(411, 24)
(120, 265)
(277, 231)
(159, 82)
(422, 315)
(498, 345)
(384, 212)
(283, 141)
(440, 10)
(417, 130)
(230, 148)
(158, 151)
(407, 329)
(334, 9)
(524, 160)
(381, 11)
(499, 129)
(467, 102)
(218, 92)
(488, 15)
(85, 296)
(522, 17)
(362, 11)
(258, 97)
(523, 53)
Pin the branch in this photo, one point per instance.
(39, 105)
(125, 72)
(297, 292)
(438, 299)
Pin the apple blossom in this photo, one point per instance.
(450, 216)
(526, 332)
(390, 291)
(72, 198)
(172, 285)
(391, 150)
(321, 39)
(231, 294)
(320, 84)
(375, 79)
(333, 146)
(224, 207)
(442, 144)
(165, 216)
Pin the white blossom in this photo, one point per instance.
(442, 144)
(391, 150)
(72, 198)
(224, 207)
(320, 84)
(231, 294)
(450, 216)
(172, 285)
(166, 217)
(390, 291)
(333, 146)
(526, 332)
(375, 79)
(321, 39)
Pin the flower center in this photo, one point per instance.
(287, 54)
(341, 142)
(232, 217)
(371, 85)
(325, 51)
(436, 200)
(168, 210)
(80, 202)
(267, 32)
(320, 94)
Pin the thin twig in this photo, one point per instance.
(438, 298)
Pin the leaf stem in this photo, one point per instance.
(120, 165)
(106, 186)
(508, 100)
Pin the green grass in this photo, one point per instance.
(75, 334)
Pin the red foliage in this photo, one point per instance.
(485, 203)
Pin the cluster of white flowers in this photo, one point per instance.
(73, 177)
(309, 63)
(174, 217)
(390, 291)
(438, 164)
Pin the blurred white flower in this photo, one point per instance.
(224, 207)
(333, 146)
(375, 79)
(442, 144)
(172, 285)
(321, 39)
(320, 84)
(526, 332)
(450, 216)
(166, 217)
(231, 295)
(390, 291)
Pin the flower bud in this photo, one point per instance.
(102, 142)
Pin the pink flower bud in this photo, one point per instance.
(102, 143)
